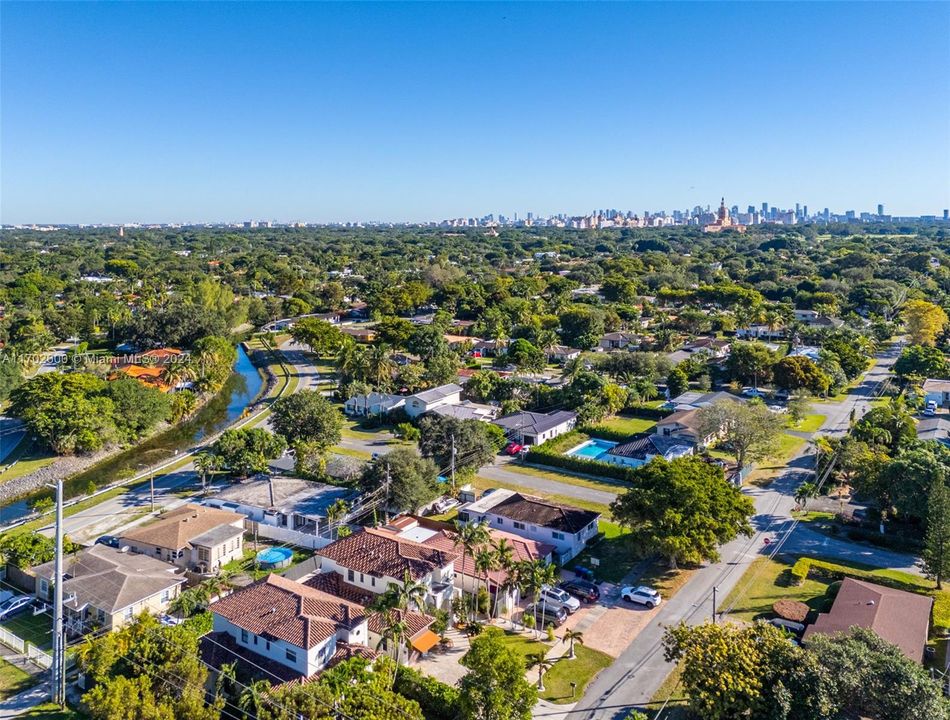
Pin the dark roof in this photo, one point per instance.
(534, 423)
(898, 616)
(643, 444)
(534, 510)
(382, 554)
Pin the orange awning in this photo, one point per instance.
(425, 641)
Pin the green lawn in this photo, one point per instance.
(767, 581)
(50, 711)
(36, 629)
(248, 565)
(809, 423)
(617, 554)
(524, 645)
(360, 454)
(629, 425)
(610, 485)
(786, 447)
(481, 483)
(31, 457)
(581, 670)
(13, 680)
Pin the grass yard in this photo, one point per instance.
(810, 423)
(610, 485)
(36, 629)
(629, 425)
(524, 645)
(786, 448)
(581, 670)
(13, 680)
(767, 581)
(617, 554)
(360, 454)
(30, 457)
(670, 698)
(51, 711)
(248, 565)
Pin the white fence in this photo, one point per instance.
(12, 641)
(294, 537)
(38, 657)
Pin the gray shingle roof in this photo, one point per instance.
(534, 423)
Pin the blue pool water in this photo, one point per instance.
(275, 557)
(592, 449)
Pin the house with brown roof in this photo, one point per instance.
(373, 559)
(683, 425)
(105, 588)
(898, 616)
(283, 624)
(565, 527)
(193, 537)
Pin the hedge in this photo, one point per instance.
(551, 453)
(649, 413)
(820, 570)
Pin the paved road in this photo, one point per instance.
(11, 433)
(638, 673)
(805, 541)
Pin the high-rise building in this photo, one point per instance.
(765, 208)
(880, 209)
(946, 214)
(530, 217)
(804, 211)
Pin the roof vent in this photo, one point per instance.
(870, 602)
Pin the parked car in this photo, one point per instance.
(558, 597)
(547, 614)
(514, 448)
(584, 573)
(751, 392)
(930, 408)
(14, 606)
(581, 589)
(642, 595)
(793, 627)
(443, 505)
(108, 540)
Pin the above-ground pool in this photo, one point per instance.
(275, 557)
(593, 449)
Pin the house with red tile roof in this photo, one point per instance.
(293, 629)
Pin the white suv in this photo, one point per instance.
(641, 595)
(556, 597)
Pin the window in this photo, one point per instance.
(128, 613)
(166, 596)
(463, 516)
(267, 644)
(350, 575)
(557, 535)
(44, 585)
(158, 551)
(519, 525)
(204, 555)
(373, 580)
(362, 579)
(255, 639)
(244, 636)
(499, 521)
(290, 655)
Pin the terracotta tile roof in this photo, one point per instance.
(900, 617)
(289, 611)
(177, 528)
(380, 553)
(333, 584)
(522, 549)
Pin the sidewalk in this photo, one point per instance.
(19, 704)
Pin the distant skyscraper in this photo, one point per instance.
(880, 209)
(946, 214)
(530, 217)
(765, 208)
(804, 211)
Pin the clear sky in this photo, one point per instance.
(320, 112)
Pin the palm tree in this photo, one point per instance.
(254, 698)
(540, 661)
(206, 463)
(805, 491)
(227, 679)
(470, 537)
(573, 636)
(504, 553)
(533, 576)
(485, 562)
(380, 367)
(410, 594)
(177, 372)
(351, 362)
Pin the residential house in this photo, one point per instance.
(937, 391)
(898, 616)
(641, 448)
(373, 559)
(360, 334)
(683, 425)
(561, 353)
(757, 332)
(565, 527)
(617, 341)
(457, 341)
(468, 410)
(813, 318)
(934, 429)
(372, 404)
(194, 537)
(428, 400)
(488, 348)
(104, 588)
(292, 630)
(694, 399)
(284, 508)
(533, 428)
(716, 348)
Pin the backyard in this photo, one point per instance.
(616, 554)
(35, 629)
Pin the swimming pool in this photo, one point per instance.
(593, 449)
(276, 557)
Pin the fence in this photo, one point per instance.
(36, 656)
(12, 641)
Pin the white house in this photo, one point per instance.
(373, 559)
(937, 391)
(371, 404)
(468, 410)
(565, 527)
(282, 621)
(428, 400)
(531, 428)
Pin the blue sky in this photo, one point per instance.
(318, 112)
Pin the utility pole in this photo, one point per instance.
(453, 464)
(151, 487)
(386, 500)
(59, 654)
(715, 588)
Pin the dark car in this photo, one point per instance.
(108, 540)
(547, 614)
(581, 589)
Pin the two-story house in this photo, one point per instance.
(565, 527)
(373, 559)
(293, 630)
(194, 537)
(428, 400)
(104, 588)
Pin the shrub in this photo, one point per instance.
(550, 632)
(832, 592)
(437, 700)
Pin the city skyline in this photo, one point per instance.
(408, 113)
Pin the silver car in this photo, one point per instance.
(642, 595)
(557, 597)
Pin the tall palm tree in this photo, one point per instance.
(470, 537)
(504, 553)
(573, 636)
(206, 463)
(380, 367)
(534, 575)
(805, 491)
(485, 562)
(175, 373)
(411, 594)
(351, 362)
(542, 662)
(254, 698)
